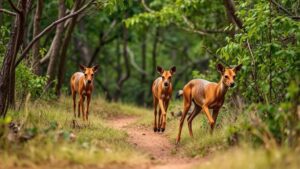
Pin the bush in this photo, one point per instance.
(28, 82)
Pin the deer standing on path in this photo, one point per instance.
(162, 93)
(82, 83)
(206, 95)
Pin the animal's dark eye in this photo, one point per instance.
(169, 78)
(226, 76)
(85, 74)
(92, 74)
(163, 77)
(233, 77)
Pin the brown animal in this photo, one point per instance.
(82, 83)
(162, 92)
(206, 95)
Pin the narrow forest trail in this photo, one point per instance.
(156, 145)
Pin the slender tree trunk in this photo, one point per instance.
(270, 53)
(56, 44)
(141, 96)
(21, 28)
(154, 51)
(64, 48)
(7, 73)
(1, 6)
(124, 77)
(230, 7)
(36, 31)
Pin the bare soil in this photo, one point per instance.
(161, 150)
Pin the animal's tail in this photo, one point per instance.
(178, 94)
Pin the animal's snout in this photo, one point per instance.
(89, 81)
(232, 84)
(166, 84)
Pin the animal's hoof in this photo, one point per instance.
(155, 129)
(162, 130)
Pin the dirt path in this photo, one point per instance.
(156, 145)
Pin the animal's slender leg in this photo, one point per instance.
(74, 102)
(215, 115)
(88, 106)
(206, 111)
(186, 107)
(196, 111)
(166, 105)
(79, 104)
(159, 119)
(163, 115)
(82, 107)
(155, 114)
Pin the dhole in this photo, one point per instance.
(162, 93)
(82, 83)
(206, 95)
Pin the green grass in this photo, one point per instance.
(98, 146)
(203, 142)
(249, 158)
(95, 144)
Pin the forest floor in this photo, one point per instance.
(156, 145)
(120, 135)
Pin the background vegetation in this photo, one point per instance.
(42, 43)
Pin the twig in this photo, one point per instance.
(215, 56)
(281, 7)
(8, 12)
(14, 7)
(146, 7)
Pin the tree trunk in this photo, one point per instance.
(141, 96)
(229, 5)
(154, 51)
(64, 48)
(36, 30)
(124, 77)
(1, 6)
(20, 37)
(56, 44)
(7, 73)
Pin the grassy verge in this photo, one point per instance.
(249, 158)
(203, 142)
(56, 144)
(218, 147)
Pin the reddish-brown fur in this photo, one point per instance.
(82, 83)
(162, 92)
(206, 95)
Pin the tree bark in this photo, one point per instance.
(20, 37)
(229, 5)
(36, 31)
(7, 73)
(1, 5)
(55, 46)
(123, 77)
(141, 96)
(154, 51)
(63, 54)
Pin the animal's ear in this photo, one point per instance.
(160, 70)
(95, 68)
(238, 67)
(220, 68)
(82, 68)
(173, 69)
